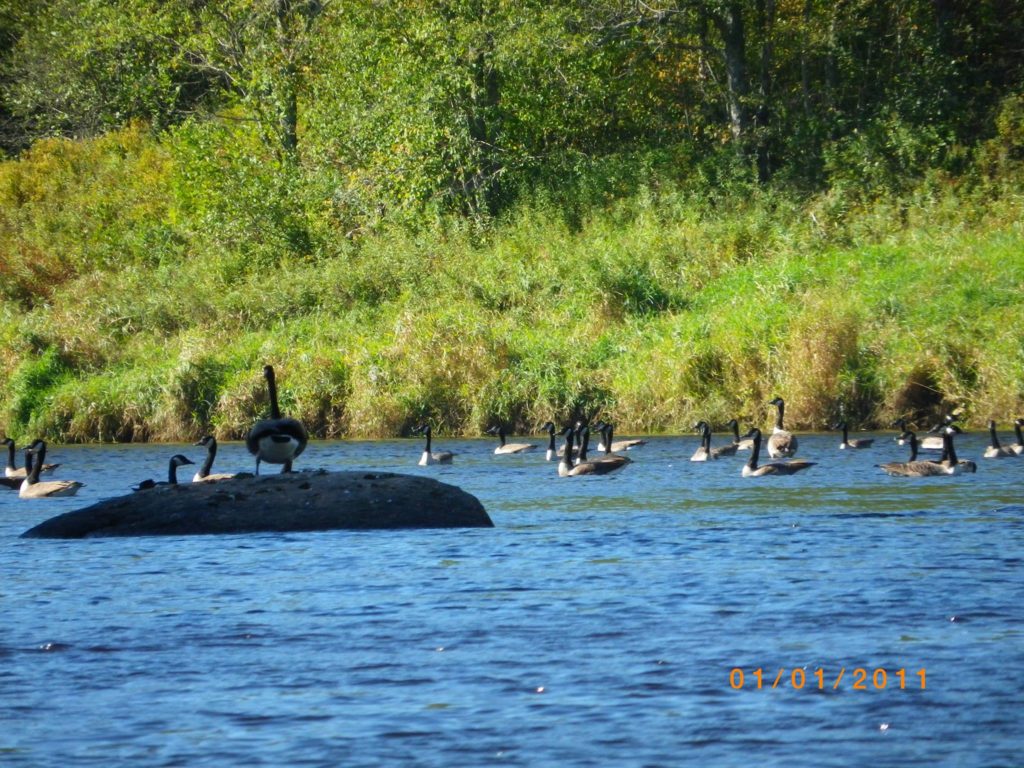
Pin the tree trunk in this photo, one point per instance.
(485, 128)
(766, 22)
(730, 25)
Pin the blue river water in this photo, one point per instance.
(599, 623)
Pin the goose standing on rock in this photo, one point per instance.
(32, 488)
(12, 470)
(279, 439)
(176, 461)
(857, 442)
(209, 442)
(751, 469)
(504, 447)
(781, 444)
(428, 458)
(995, 450)
(602, 466)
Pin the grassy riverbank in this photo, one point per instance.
(139, 302)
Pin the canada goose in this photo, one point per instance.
(948, 465)
(279, 439)
(20, 473)
(741, 443)
(609, 445)
(857, 442)
(703, 452)
(579, 454)
(912, 467)
(750, 469)
(935, 441)
(1018, 447)
(552, 452)
(428, 458)
(601, 466)
(31, 488)
(504, 447)
(209, 442)
(995, 450)
(901, 425)
(172, 473)
(781, 444)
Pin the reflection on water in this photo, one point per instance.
(597, 624)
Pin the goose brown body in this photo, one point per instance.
(781, 443)
(32, 487)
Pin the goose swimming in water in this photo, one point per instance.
(995, 450)
(428, 458)
(609, 445)
(279, 439)
(705, 452)
(32, 488)
(741, 443)
(601, 466)
(751, 469)
(912, 467)
(1018, 447)
(935, 440)
(176, 461)
(948, 465)
(12, 470)
(781, 444)
(857, 442)
(552, 453)
(209, 442)
(504, 447)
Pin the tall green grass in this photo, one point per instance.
(140, 301)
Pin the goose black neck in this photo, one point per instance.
(778, 416)
(705, 438)
(38, 458)
(948, 449)
(913, 448)
(584, 443)
(567, 455)
(275, 411)
(31, 467)
(427, 433)
(211, 453)
(1016, 428)
(501, 435)
(755, 450)
(735, 430)
(993, 435)
(172, 472)
(551, 439)
(846, 433)
(10, 452)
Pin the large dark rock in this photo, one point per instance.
(307, 501)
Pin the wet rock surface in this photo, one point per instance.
(306, 501)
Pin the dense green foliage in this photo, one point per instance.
(480, 209)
